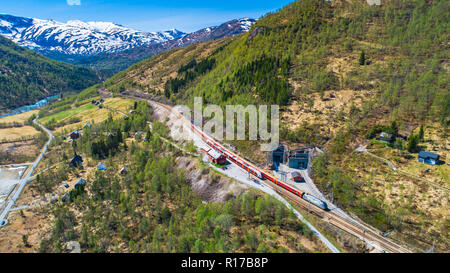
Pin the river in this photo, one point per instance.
(26, 108)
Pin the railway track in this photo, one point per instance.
(355, 228)
(359, 230)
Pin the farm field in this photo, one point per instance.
(68, 113)
(20, 118)
(17, 133)
(88, 113)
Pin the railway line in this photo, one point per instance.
(355, 228)
(359, 230)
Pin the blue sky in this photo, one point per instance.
(146, 15)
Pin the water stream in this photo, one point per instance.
(26, 108)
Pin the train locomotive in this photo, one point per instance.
(315, 201)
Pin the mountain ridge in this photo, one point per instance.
(105, 46)
(121, 60)
(76, 37)
(27, 76)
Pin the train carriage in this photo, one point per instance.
(261, 175)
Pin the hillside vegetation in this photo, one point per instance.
(342, 72)
(404, 44)
(26, 76)
(152, 74)
(151, 208)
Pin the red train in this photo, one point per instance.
(256, 172)
(244, 164)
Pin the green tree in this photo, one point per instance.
(362, 58)
(132, 245)
(198, 246)
(413, 143)
(148, 136)
(25, 240)
(262, 248)
(421, 133)
(394, 127)
(167, 92)
(165, 215)
(252, 240)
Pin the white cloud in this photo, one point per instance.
(74, 2)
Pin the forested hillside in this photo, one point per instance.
(342, 72)
(153, 206)
(26, 76)
(153, 74)
(404, 44)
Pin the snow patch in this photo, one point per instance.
(78, 37)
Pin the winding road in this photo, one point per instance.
(25, 180)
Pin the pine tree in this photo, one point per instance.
(362, 58)
(394, 127)
(412, 143)
(25, 240)
(421, 133)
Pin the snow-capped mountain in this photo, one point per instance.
(121, 60)
(229, 28)
(76, 37)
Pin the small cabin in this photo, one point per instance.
(428, 158)
(101, 167)
(387, 137)
(65, 198)
(75, 134)
(76, 161)
(403, 136)
(296, 177)
(215, 156)
(124, 170)
(80, 182)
